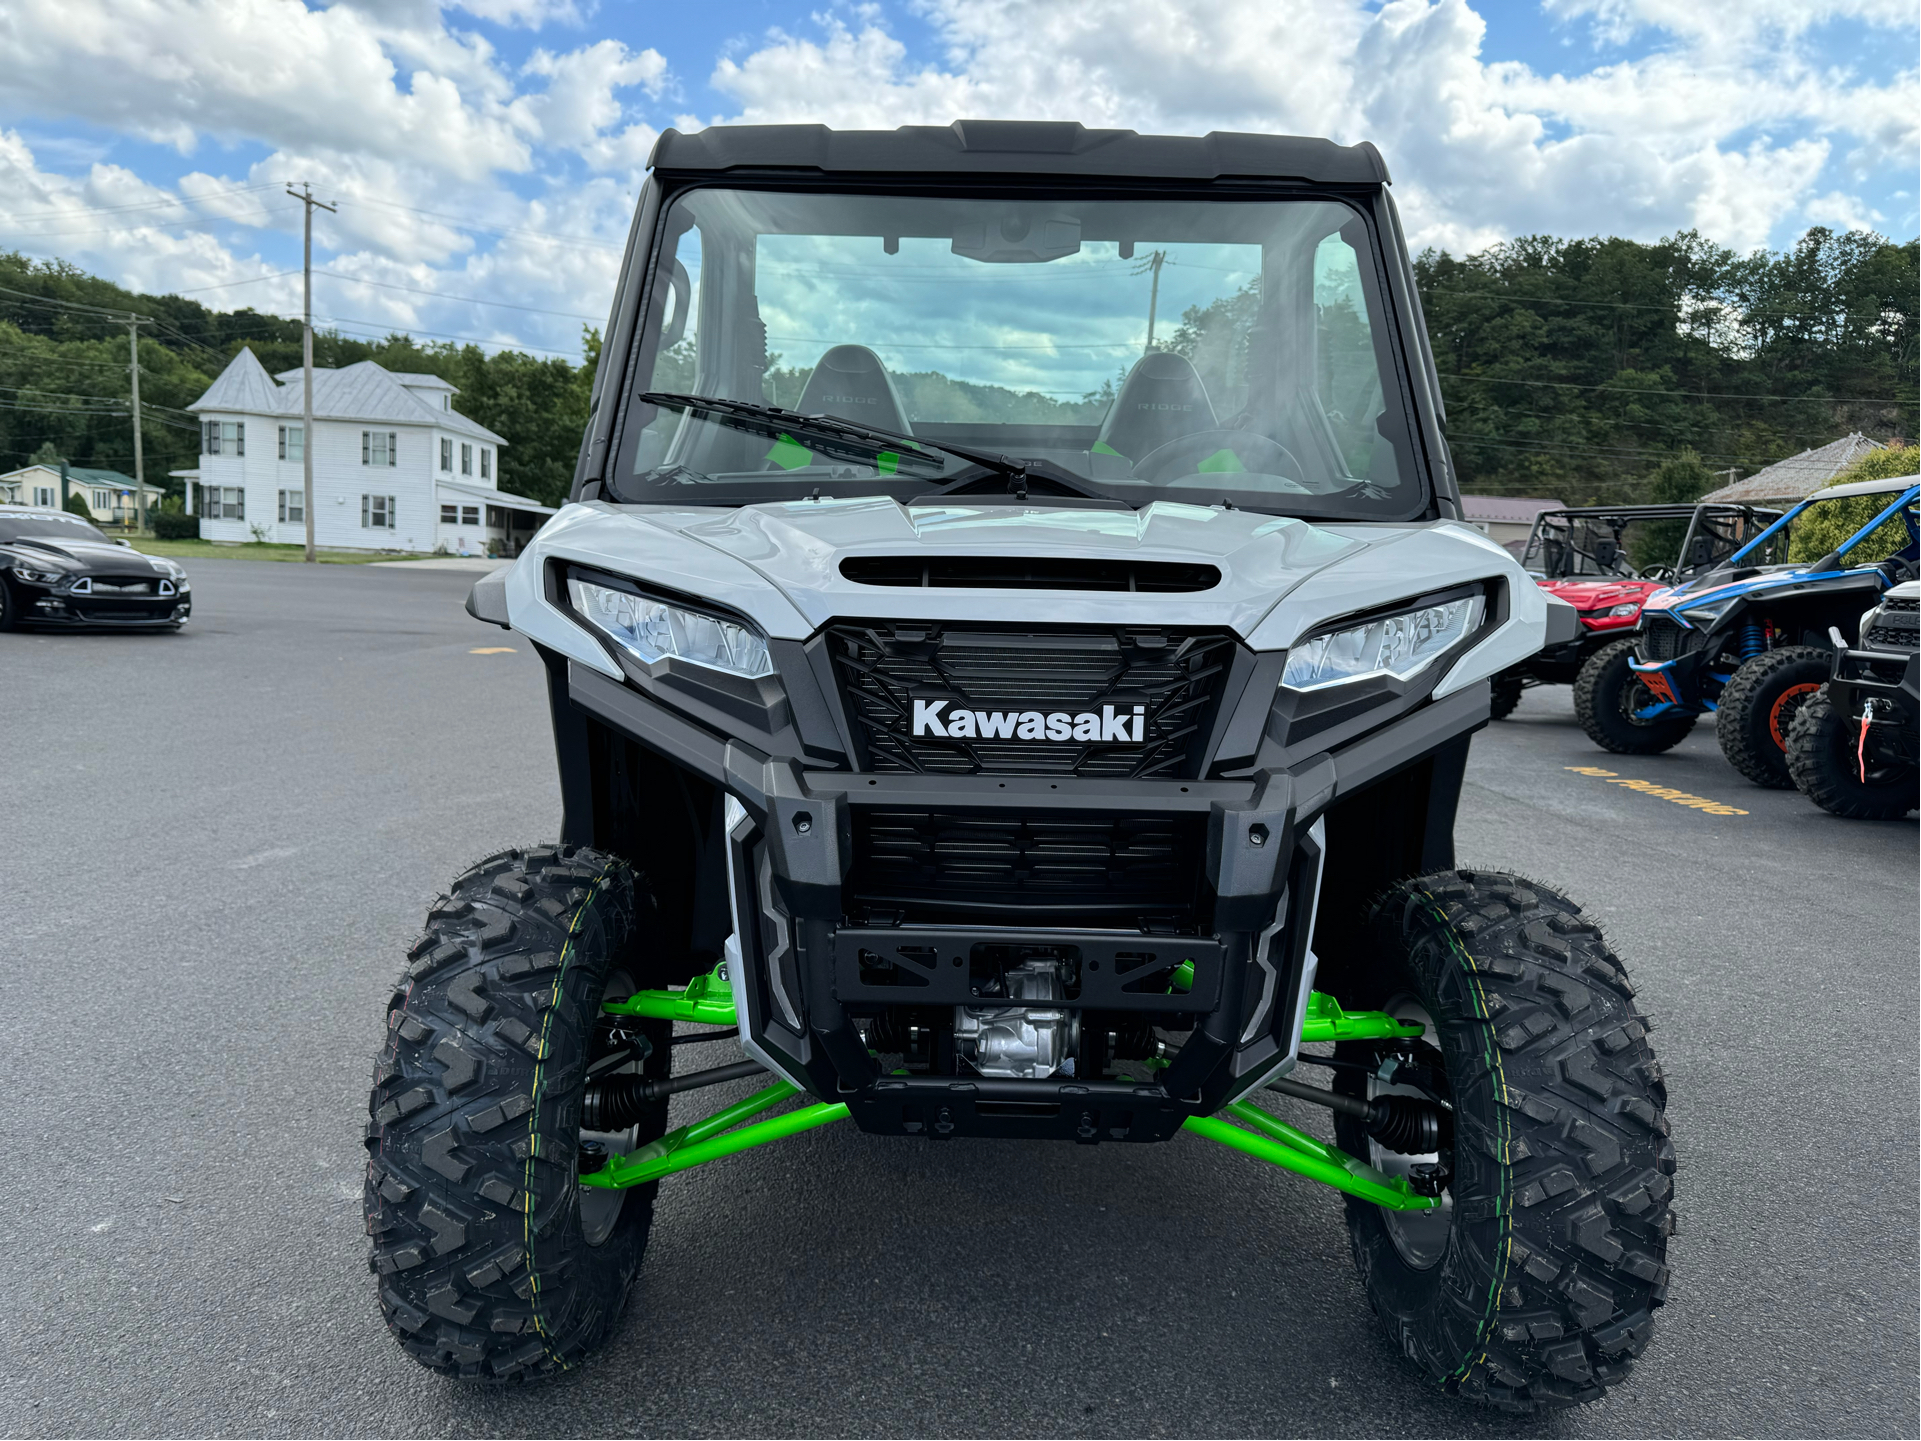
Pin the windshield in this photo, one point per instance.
(1201, 351)
(1655, 545)
(48, 527)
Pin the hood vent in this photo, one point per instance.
(1003, 572)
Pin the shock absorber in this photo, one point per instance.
(1753, 641)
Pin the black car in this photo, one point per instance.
(55, 569)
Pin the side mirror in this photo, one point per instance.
(127, 543)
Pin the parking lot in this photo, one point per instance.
(220, 842)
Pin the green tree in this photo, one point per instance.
(76, 504)
(1675, 481)
(1827, 526)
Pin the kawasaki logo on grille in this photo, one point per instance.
(1109, 723)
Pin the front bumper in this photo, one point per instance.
(1885, 687)
(43, 605)
(803, 1000)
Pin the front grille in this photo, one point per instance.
(926, 866)
(1174, 676)
(88, 609)
(128, 585)
(1894, 629)
(1664, 638)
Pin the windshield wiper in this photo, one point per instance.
(772, 421)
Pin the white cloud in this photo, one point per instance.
(461, 171)
(1741, 25)
(1480, 150)
(529, 13)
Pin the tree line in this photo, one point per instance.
(1595, 370)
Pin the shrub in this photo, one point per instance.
(175, 525)
(76, 504)
(1827, 526)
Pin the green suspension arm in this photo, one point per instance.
(709, 1000)
(709, 1140)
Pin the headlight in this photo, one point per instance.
(1706, 615)
(1397, 645)
(39, 575)
(1609, 612)
(1626, 608)
(654, 630)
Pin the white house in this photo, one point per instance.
(396, 467)
(108, 493)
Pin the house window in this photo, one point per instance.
(293, 504)
(470, 515)
(293, 442)
(227, 502)
(466, 460)
(102, 499)
(486, 464)
(446, 455)
(450, 515)
(377, 512)
(223, 437)
(378, 447)
(43, 495)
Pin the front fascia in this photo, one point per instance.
(792, 840)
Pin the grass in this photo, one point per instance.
(258, 550)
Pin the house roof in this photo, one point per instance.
(82, 475)
(1515, 509)
(365, 391)
(1799, 476)
(455, 490)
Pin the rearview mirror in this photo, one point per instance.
(1018, 238)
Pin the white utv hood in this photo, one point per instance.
(779, 566)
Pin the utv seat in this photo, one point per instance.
(1162, 399)
(850, 383)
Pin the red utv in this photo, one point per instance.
(1605, 561)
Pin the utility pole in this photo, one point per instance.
(133, 324)
(305, 196)
(1152, 263)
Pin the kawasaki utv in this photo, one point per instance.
(1855, 745)
(1605, 561)
(1750, 640)
(1004, 725)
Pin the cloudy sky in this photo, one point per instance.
(489, 151)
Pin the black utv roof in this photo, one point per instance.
(1018, 147)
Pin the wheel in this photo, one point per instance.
(1506, 693)
(1758, 705)
(1535, 1283)
(9, 608)
(495, 1264)
(1609, 698)
(1826, 761)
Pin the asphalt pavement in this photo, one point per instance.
(218, 844)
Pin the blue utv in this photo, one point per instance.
(1750, 640)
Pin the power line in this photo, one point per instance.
(147, 204)
(229, 284)
(1734, 309)
(465, 223)
(1610, 452)
(1685, 394)
(190, 222)
(468, 299)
